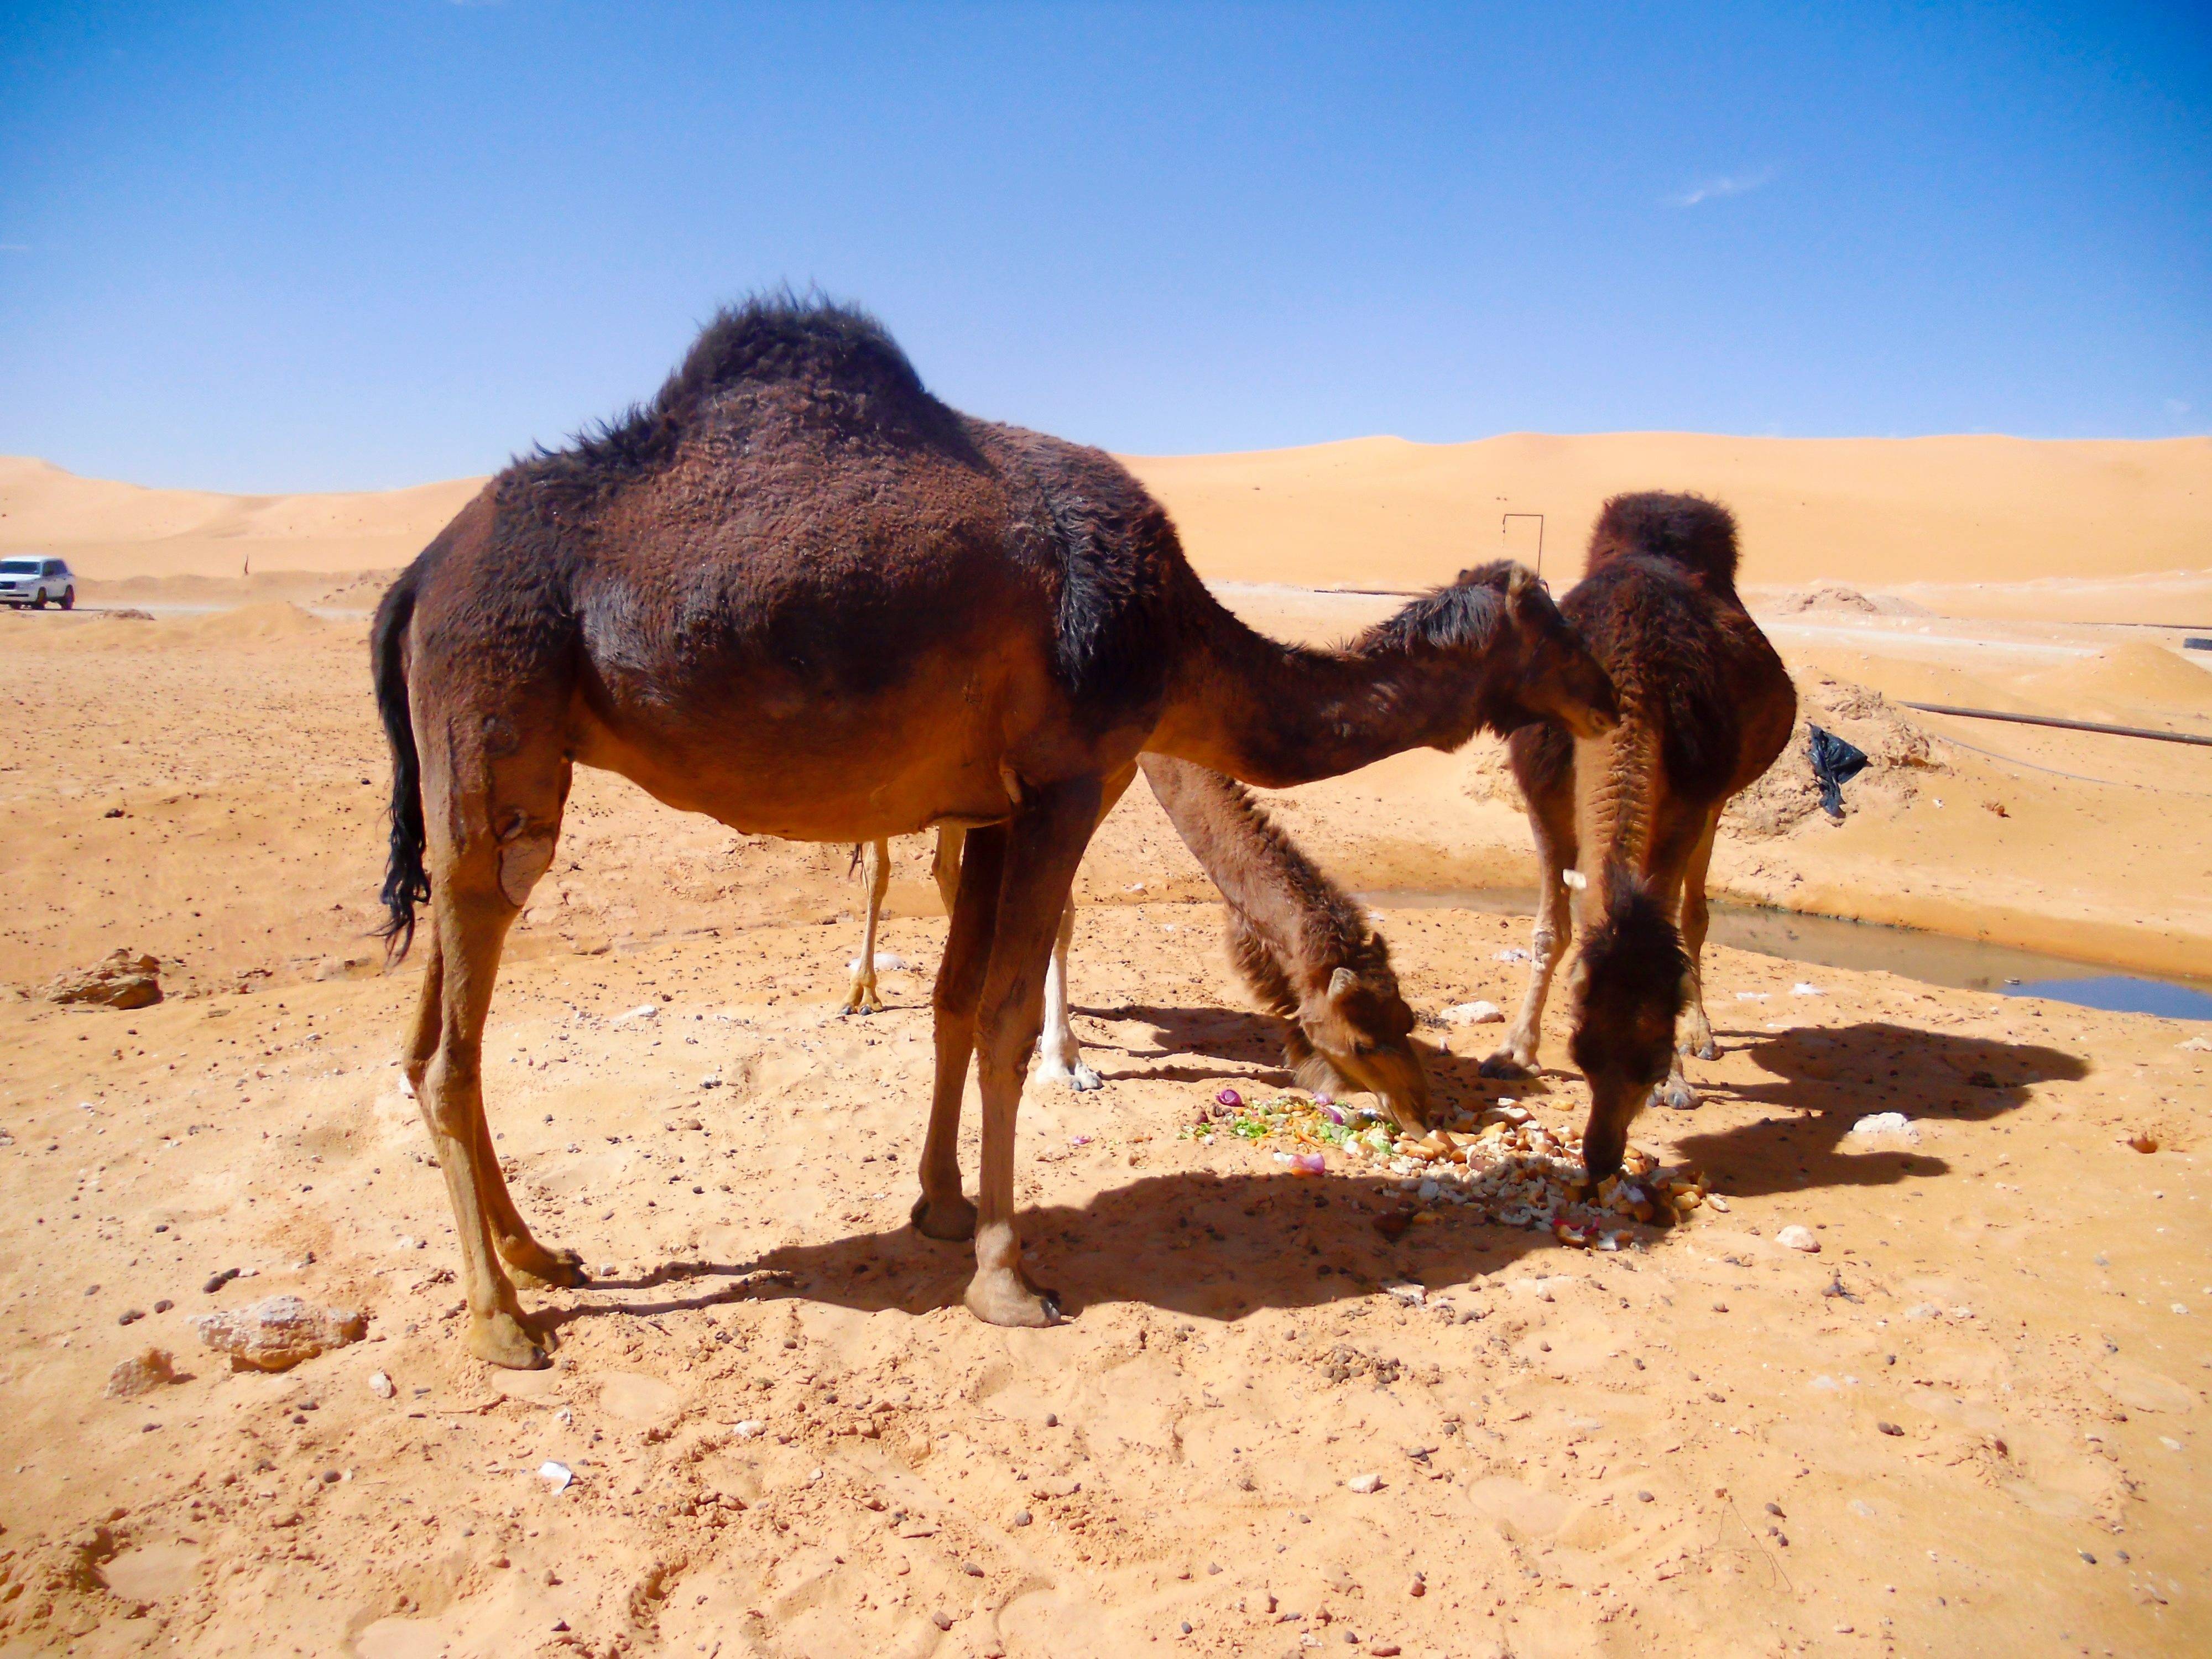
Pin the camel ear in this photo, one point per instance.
(1341, 982)
(1520, 582)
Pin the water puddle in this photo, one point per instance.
(1933, 958)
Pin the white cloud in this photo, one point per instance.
(1712, 190)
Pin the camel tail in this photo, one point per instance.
(406, 882)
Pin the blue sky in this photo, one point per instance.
(286, 247)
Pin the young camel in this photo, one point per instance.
(798, 593)
(1301, 944)
(1623, 821)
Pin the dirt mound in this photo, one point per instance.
(273, 620)
(1832, 596)
(1787, 799)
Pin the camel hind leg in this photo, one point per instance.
(875, 869)
(1060, 1051)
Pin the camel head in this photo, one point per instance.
(1631, 986)
(1360, 1032)
(1554, 674)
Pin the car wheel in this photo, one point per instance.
(39, 600)
(69, 598)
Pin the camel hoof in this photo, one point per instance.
(501, 1340)
(1504, 1065)
(1003, 1297)
(549, 1270)
(953, 1220)
(863, 1002)
(1079, 1077)
(1708, 1050)
(1677, 1094)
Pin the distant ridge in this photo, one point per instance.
(1372, 512)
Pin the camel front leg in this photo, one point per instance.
(1554, 931)
(1696, 1033)
(472, 924)
(876, 872)
(942, 1211)
(1044, 845)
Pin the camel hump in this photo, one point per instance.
(1684, 530)
(806, 363)
(781, 340)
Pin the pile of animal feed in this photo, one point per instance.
(1501, 1165)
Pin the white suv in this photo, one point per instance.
(34, 582)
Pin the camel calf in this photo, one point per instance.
(1625, 819)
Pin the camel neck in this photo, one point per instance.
(1312, 927)
(1278, 715)
(1616, 782)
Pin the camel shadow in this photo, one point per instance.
(1242, 1039)
(1194, 1243)
(1833, 1076)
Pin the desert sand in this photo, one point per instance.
(1966, 1423)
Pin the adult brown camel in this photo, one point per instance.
(799, 594)
(1625, 820)
(1301, 944)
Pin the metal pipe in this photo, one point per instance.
(2070, 725)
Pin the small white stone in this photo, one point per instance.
(1410, 1293)
(1364, 1484)
(644, 1010)
(1472, 1013)
(1798, 1238)
(1887, 1123)
(380, 1385)
(557, 1476)
(1806, 988)
(747, 1428)
(712, 1080)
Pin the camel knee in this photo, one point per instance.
(524, 856)
(448, 1094)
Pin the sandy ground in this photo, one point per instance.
(1678, 1447)
(2022, 1295)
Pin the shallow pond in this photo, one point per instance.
(1934, 958)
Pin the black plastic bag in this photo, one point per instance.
(1835, 763)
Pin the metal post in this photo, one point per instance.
(1508, 518)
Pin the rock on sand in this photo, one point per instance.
(277, 1334)
(121, 981)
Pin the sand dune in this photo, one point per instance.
(110, 531)
(1380, 512)
(2059, 529)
